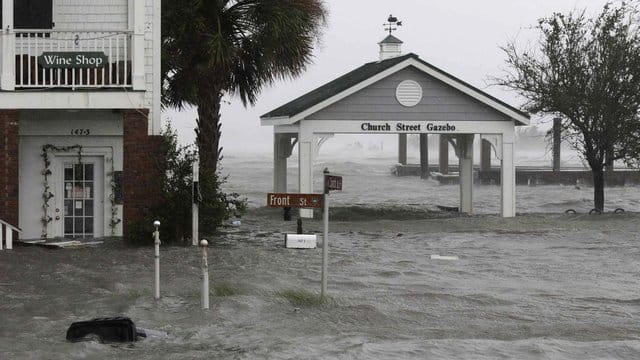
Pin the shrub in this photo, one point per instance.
(174, 211)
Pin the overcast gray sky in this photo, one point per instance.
(461, 37)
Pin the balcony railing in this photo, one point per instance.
(32, 73)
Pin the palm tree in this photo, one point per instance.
(216, 47)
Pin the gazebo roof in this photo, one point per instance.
(346, 84)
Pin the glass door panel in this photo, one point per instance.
(78, 200)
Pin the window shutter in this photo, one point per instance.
(33, 14)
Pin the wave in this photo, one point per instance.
(361, 212)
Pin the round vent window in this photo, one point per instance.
(409, 93)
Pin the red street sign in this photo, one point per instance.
(333, 182)
(294, 200)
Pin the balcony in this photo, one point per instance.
(82, 63)
(32, 47)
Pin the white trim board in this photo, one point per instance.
(72, 100)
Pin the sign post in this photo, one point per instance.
(325, 238)
(331, 182)
(195, 195)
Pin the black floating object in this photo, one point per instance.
(112, 329)
(595, 211)
(618, 211)
(447, 208)
(570, 211)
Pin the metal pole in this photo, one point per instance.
(325, 240)
(194, 206)
(156, 236)
(205, 274)
(325, 247)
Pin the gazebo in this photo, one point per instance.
(397, 94)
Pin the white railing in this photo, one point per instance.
(6, 234)
(30, 44)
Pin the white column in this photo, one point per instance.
(7, 48)
(281, 151)
(137, 46)
(305, 170)
(156, 109)
(508, 179)
(465, 161)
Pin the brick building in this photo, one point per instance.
(79, 115)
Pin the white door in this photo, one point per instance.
(80, 198)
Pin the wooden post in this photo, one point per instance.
(443, 154)
(402, 149)
(465, 168)
(609, 161)
(557, 134)
(485, 155)
(424, 156)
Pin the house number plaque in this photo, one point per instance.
(81, 132)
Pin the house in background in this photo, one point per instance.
(79, 115)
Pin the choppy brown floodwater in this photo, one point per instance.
(541, 285)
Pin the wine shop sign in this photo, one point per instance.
(72, 60)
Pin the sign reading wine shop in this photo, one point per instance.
(72, 60)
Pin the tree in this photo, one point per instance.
(587, 71)
(216, 47)
(174, 208)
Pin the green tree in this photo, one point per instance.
(587, 71)
(216, 47)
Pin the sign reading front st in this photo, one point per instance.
(293, 200)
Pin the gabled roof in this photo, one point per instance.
(390, 39)
(350, 82)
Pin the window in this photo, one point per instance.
(31, 14)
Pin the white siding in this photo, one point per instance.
(110, 15)
(91, 14)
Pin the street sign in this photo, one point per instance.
(294, 200)
(333, 182)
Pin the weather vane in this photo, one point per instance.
(391, 22)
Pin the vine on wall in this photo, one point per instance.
(112, 198)
(46, 172)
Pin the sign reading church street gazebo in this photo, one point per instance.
(72, 59)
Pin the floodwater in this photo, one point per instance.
(541, 285)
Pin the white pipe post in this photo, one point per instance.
(156, 236)
(325, 240)
(205, 274)
(9, 237)
(194, 206)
